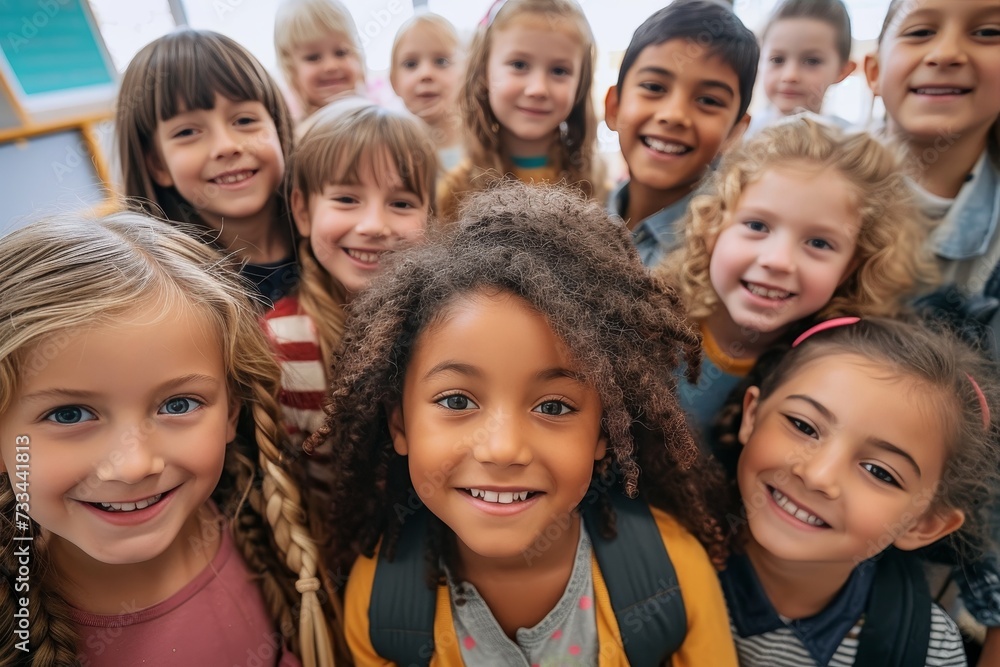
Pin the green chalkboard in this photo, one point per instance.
(52, 46)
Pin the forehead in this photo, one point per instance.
(686, 60)
(801, 34)
(536, 22)
(427, 37)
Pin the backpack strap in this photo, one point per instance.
(897, 626)
(642, 582)
(401, 612)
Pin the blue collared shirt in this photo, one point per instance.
(658, 234)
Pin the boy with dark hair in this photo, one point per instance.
(681, 98)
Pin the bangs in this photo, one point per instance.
(366, 142)
(188, 72)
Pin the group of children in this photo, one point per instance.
(458, 409)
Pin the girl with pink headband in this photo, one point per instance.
(868, 440)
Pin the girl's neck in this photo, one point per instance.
(101, 588)
(446, 130)
(942, 163)
(796, 589)
(258, 239)
(514, 147)
(522, 590)
(735, 341)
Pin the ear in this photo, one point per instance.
(397, 431)
(750, 402)
(846, 70)
(233, 419)
(611, 108)
(931, 527)
(159, 172)
(735, 134)
(300, 212)
(872, 72)
(602, 446)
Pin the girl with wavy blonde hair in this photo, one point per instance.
(141, 458)
(802, 221)
(526, 102)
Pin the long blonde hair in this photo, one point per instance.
(184, 69)
(65, 273)
(890, 258)
(344, 140)
(575, 143)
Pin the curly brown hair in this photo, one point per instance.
(563, 256)
(891, 258)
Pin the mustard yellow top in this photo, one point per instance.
(739, 366)
(708, 640)
(458, 182)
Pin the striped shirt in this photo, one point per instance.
(303, 373)
(781, 648)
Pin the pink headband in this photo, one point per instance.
(846, 321)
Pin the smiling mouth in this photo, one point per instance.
(237, 177)
(128, 507)
(666, 147)
(501, 497)
(790, 508)
(364, 256)
(766, 292)
(942, 92)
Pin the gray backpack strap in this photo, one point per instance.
(401, 612)
(642, 582)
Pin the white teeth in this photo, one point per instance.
(767, 293)
(131, 507)
(233, 178)
(501, 497)
(784, 503)
(363, 256)
(939, 91)
(664, 146)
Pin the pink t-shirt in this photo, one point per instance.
(219, 618)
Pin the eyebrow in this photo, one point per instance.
(558, 373)
(450, 366)
(710, 83)
(81, 394)
(881, 444)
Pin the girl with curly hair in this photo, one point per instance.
(493, 384)
(526, 102)
(802, 221)
(150, 508)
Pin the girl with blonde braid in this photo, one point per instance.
(141, 459)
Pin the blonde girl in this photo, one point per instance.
(801, 221)
(203, 136)
(362, 185)
(937, 71)
(526, 102)
(138, 402)
(319, 52)
(426, 72)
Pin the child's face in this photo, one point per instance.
(500, 433)
(799, 61)
(350, 227)
(786, 247)
(938, 68)
(226, 161)
(326, 69)
(426, 75)
(676, 110)
(533, 73)
(128, 425)
(841, 461)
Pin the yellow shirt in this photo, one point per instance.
(708, 640)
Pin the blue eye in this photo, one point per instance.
(820, 244)
(755, 226)
(458, 402)
(70, 414)
(179, 405)
(553, 408)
